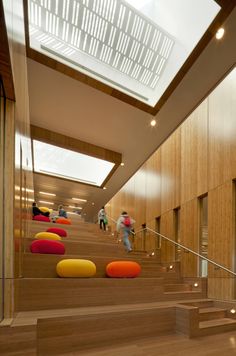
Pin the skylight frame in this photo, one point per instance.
(40, 167)
(142, 98)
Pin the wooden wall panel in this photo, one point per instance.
(170, 172)
(198, 158)
(18, 168)
(221, 238)
(140, 197)
(189, 232)
(153, 187)
(167, 229)
(194, 154)
(222, 132)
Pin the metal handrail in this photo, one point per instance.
(180, 245)
(189, 250)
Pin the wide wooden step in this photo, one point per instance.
(216, 326)
(211, 313)
(49, 293)
(44, 265)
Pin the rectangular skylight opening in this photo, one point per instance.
(60, 162)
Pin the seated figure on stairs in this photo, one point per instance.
(37, 211)
(124, 224)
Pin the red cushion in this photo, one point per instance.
(47, 246)
(58, 231)
(63, 221)
(41, 218)
(123, 269)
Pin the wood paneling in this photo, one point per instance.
(5, 61)
(194, 153)
(189, 232)
(170, 172)
(198, 158)
(153, 187)
(222, 132)
(221, 239)
(140, 197)
(167, 229)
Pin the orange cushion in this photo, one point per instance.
(123, 269)
(63, 221)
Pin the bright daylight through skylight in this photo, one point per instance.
(136, 46)
(67, 164)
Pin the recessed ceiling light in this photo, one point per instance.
(122, 164)
(153, 123)
(220, 33)
(104, 188)
(46, 202)
(79, 199)
(51, 194)
(75, 207)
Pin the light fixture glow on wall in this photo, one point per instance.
(104, 188)
(46, 202)
(171, 267)
(122, 164)
(51, 194)
(232, 311)
(196, 284)
(220, 33)
(75, 207)
(153, 123)
(79, 199)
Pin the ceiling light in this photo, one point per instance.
(104, 188)
(153, 123)
(79, 199)
(122, 164)
(51, 194)
(46, 202)
(220, 33)
(75, 207)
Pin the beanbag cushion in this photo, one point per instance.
(123, 269)
(41, 218)
(44, 209)
(47, 236)
(58, 231)
(47, 246)
(63, 221)
(76, 268)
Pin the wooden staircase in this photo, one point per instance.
(64, 315)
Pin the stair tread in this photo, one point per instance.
(30, 317)
(210, 310)
(216, 322)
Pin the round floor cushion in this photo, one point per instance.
(76, 268)
(63, 221)
(123, 269)
(58, 231)
(41, 218)
(47, 247)
(44, 209)
(47, 236)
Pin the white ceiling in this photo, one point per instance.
(69, 107)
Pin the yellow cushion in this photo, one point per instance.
(44, 209)
(47, 236)
(76, 268)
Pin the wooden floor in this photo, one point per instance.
(171, 345)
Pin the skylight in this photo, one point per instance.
(67, 164)
(134, 46)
